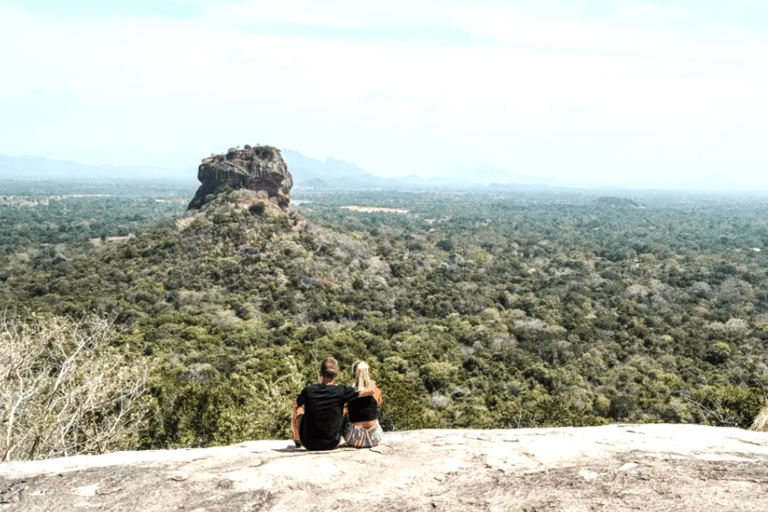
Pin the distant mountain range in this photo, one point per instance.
(306, 172)
(41, 168)
(337, 174)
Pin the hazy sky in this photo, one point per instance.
(609, 89)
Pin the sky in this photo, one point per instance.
(597, 91)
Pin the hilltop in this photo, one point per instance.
(616, 468)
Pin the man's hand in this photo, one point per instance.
(369, 391)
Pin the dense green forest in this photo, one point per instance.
(474, 309)
(54, 212)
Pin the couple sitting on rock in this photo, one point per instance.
(318, 420)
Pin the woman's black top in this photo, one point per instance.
(363, 409)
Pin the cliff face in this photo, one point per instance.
(253, 168)
(615, 467)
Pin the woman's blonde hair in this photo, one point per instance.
(362, 375)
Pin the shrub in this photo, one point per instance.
(65, 391)
(437, 376)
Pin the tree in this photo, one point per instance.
(64, 390)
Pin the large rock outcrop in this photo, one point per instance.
(253, 168)
(610, 468)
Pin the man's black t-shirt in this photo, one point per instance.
(323, 414)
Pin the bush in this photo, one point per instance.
(437, 376)
(65, 391)
(727, 406)
(402, 408)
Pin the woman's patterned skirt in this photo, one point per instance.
(361, 437)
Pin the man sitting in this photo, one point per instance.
(317, 416)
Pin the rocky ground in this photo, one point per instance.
(610, 468)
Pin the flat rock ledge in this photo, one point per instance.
(609, 468)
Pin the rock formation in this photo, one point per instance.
(609, 468)
(253, 168)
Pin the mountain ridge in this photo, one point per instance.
(334, 173)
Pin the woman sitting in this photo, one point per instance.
(363, 429)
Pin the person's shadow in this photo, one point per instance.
(299, 450)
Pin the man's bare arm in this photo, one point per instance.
(295, 418)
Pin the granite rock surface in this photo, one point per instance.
(608, 468)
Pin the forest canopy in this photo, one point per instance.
(474, 309)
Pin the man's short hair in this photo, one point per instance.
(330, 368)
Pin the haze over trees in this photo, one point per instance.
(487, 310)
